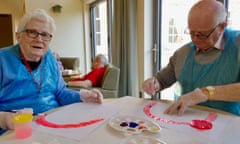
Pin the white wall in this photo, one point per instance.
(68, 39)
(87, 31)
(15, 8)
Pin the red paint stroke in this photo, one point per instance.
(147, 111)
(41, 120)
(199, 124)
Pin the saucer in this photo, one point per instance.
(133, 124)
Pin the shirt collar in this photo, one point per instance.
(219, 44)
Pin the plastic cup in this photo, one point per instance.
(22, 125)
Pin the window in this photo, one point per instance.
(101, 28)
(233, 13)
(172, 26)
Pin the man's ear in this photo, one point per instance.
(223, 25)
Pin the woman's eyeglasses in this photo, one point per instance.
(34, 34)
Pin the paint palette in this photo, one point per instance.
(133, 125)
(142, 140)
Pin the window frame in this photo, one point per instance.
(94, 28)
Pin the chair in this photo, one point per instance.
(72, 63)
(109, 84)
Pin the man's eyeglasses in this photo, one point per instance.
(34, 34)
(200, 35)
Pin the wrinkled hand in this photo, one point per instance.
(7, 120)
(184, 101)
(91, 96)
(6, 117)
(151, 86)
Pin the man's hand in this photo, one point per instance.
(184, 101)
(91, 96)
(151, 86)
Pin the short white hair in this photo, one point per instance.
(102, 59)
(38, 14)
(221, 13)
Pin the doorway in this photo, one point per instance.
(6, 35)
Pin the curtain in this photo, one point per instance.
(124, 45)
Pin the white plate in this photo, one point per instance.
(142, 140)
(133, 124)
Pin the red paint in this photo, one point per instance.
(41, 120)
(198, 124)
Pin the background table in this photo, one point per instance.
(68, 76)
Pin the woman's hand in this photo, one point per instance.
(6, 117)
(91, 96)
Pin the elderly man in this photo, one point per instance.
(208, 68)
(93, 78)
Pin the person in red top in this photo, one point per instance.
(93, 78)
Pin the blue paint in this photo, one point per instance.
(133, 124)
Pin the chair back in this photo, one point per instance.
(110, 81)
(70, 62)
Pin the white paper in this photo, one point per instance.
(134, 106)
(79, 112)
(213, 134)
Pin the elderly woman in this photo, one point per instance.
(29, 74)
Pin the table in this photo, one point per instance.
(69, 75)
(104, 134)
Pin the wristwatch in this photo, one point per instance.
(211, 91)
